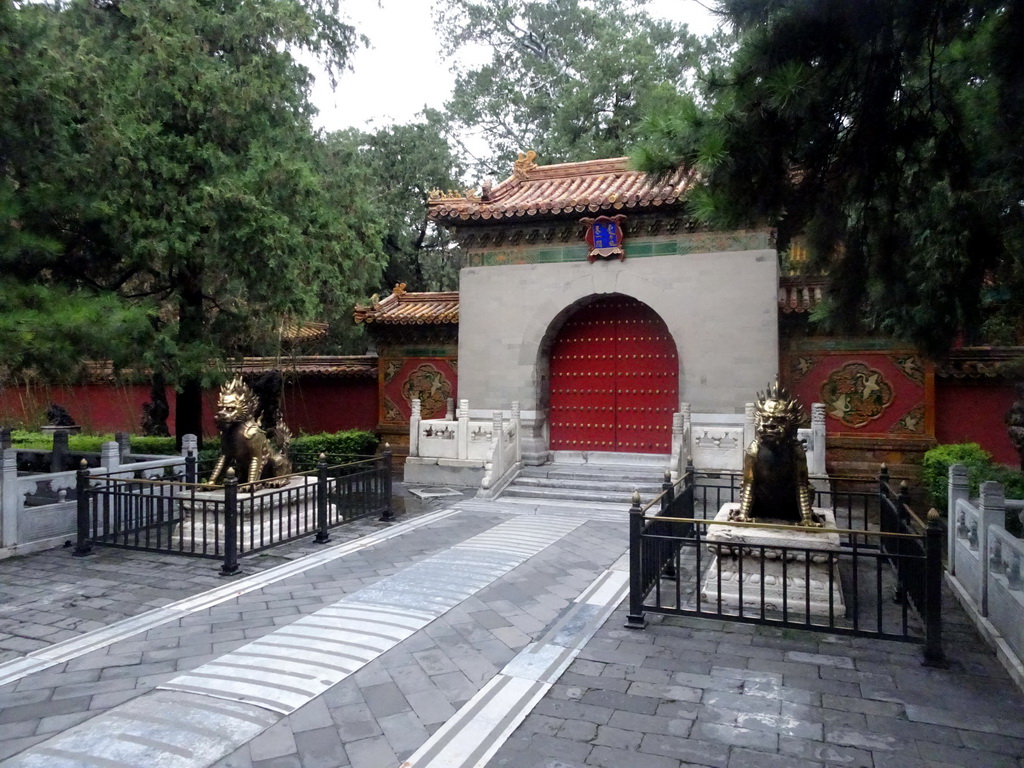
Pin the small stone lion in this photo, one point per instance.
(775, 478)
(244, 443)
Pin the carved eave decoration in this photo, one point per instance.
(983, 363)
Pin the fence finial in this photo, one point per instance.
(636, 498)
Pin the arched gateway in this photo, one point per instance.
(614, 379)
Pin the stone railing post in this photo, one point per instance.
(816, 461)
(517, 423)
(124, 443)
(498, 459)
(59, 450)
(462, 433)
(414, 428)
(110, 456)
(8, 498)
(189, 443)
(449, 409)
(685, 410)
(675, 462)
(991, 511)
(748, 425)
(957, 489)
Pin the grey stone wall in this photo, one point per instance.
(721, 309)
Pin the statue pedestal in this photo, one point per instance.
(267, 515)
(731, 547)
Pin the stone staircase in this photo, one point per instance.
(605, 478)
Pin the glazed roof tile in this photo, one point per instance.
(593, 186)
(342, 366)
(292, 331)
(403, 308)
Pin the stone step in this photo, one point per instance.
(575, 494)
(593, 472)
(624, 485)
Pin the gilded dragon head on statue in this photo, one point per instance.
(236, 402)
(776, 415)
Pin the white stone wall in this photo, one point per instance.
(721, 309)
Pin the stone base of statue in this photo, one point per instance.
(264, 516)
(740, 565)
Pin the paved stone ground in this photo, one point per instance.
(682, 692)
(50, 596)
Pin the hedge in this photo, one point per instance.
(352, 442)
(980, 468)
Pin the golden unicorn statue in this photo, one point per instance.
(244, 443)
(775, 478)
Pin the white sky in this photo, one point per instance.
(403, 70)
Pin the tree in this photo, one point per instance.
(196, 184)
(567, 78)
(403, 164)
(889, 133)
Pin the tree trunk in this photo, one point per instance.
(188, 416)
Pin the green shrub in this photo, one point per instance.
(339, 446)
(21, 438)
(939, 459)
(154, 446)
(980, 468)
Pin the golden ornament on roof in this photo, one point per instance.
(524, 164)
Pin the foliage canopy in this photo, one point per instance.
(890, 133)
(167, 169)
(570, 79)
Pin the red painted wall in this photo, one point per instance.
(973, 412)
(330, 405)
(310, 405)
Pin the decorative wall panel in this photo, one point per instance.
(431, 379)
(865, 392)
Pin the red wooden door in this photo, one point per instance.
(614, 380)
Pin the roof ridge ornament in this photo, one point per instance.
(524, 164)
(436, 195)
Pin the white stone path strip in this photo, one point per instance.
(58, 653)
(475, 733)
(292, 665)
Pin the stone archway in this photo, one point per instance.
(614, 379)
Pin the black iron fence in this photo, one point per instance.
(877, 573)
(179, 515)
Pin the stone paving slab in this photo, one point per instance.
(683, 692)
(48, 597)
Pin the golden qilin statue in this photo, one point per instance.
(776, 485)
(256, 455)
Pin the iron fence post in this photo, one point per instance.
(82, 545)
(667, 500)
(322, 535)
(387, 517)
(899, 593)
(933, 655)
(190, 467)
(690, 497)
(230, 567)
(635, 618)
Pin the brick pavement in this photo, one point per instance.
(682, 692)
(50, 596)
